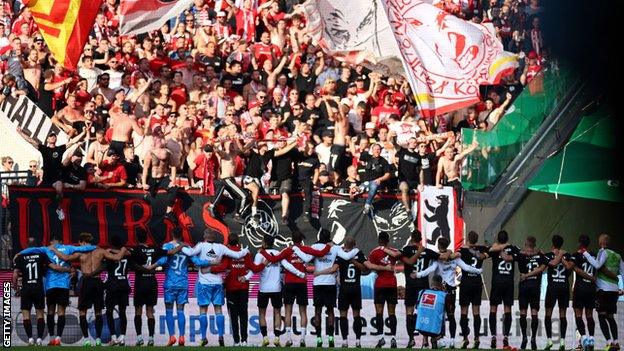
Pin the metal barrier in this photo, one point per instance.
(8, 178)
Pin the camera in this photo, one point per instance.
(6, 91)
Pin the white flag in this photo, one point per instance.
(142, 16)
(445, 57)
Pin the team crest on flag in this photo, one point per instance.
(65, 26)
(437, 217)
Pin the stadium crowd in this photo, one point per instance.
(233, 95)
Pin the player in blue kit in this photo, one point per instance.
(56, 284)
(176, 285)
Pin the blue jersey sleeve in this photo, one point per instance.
(33, 250)
(198, 262)
(82, 249)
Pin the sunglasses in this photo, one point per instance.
(9, 162)
(33, 166)
(229, 114)
(262, 97)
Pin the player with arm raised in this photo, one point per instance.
(350, 292)
(271, 288)
(57, 283)
(176, 284)
(385, 287)
(503, 256)
(531, 264)
(583, 293)
(557, 291)
(239, 272)
(324, 289)
(296, 287)
(32, 268)
(91, 286)
(471, 288)
(447, 270)
(209, 286)
(146, 285)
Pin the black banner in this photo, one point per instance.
(105, 213)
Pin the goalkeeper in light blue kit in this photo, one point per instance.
(57, 284)
(176, 285)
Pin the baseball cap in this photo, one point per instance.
(157, 128)
(52, 133)
(324, 173)
(532, 55)
(111, 152)
(369, 125)
(252, 104)
(221, 14)
(328, 133)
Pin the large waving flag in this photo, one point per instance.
(65, 26)
(141, 16)
(446, 58)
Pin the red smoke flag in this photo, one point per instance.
(65, 26)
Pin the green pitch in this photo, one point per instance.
(162, 348)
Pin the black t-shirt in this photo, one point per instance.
(409, 162)
(310, 113)
(117, 274)
(342, 87)
(133, 170)
(305, 85)
(237, 81)
(255, 165)
(349, 274)
(282, 165)
(503, 271)
(347, 184)
(52, 162)
(425, 259)
(557, 277)
(529, 263)
(372, 168)
(306, 165)
(466, 255)
(581, 262)
(148, 255)
(427, 163)
(33, 268)
(215, 61)
(72, 175)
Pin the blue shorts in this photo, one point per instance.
(177, 295)
(209, 294)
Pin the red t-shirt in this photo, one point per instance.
(178, 94)
(385, 279)
(117, 170)
(383, 113)
(263, 51)
(236, 268)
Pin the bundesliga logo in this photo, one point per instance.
(428, 300)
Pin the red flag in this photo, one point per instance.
(65, 26)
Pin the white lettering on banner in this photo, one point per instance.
(26, 114)
(72, 335)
